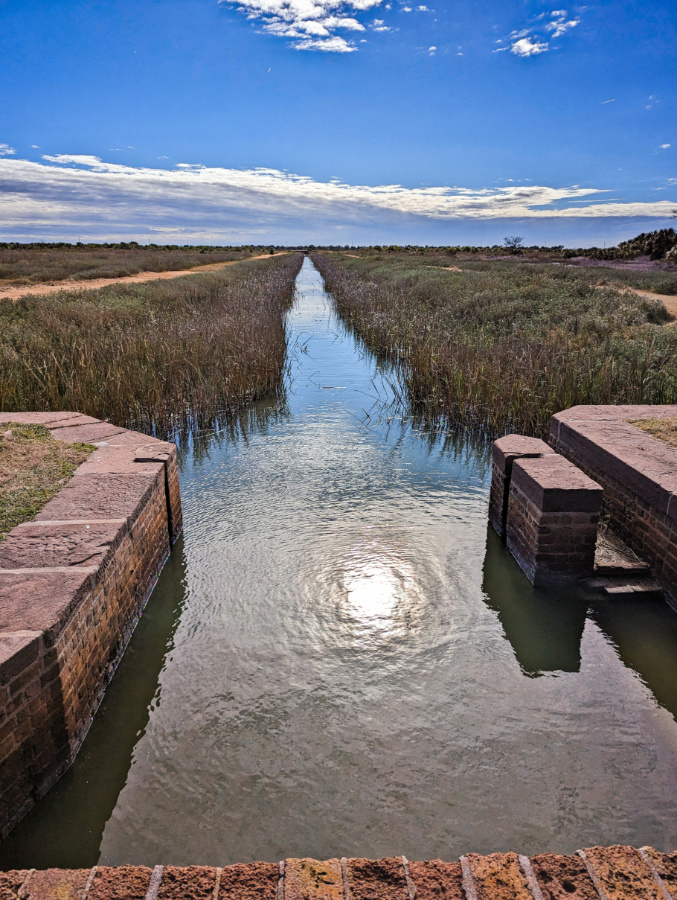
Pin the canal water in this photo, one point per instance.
(341, 659)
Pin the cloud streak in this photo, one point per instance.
(65, 194)
(311, 24)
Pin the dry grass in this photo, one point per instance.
(33, 467)
(33, 264)
(665, 429)
(501, 345)
(160, 357)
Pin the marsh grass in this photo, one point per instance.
(501, 346)
(664, 429)
(34, 264)
(160, 356)
(33, 467)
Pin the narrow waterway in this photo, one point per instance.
(341, 659)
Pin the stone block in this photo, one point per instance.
(498, 876)
(553, 484)
(47, 546)
(120, 883)
(41, 601)
(312, 879)
(104, 496)
(187, 883)
(377, 879)
(437, 880)
(622, 873)
(563, 878)
(254, 881)
(504, 452)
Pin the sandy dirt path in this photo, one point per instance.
(669, 301)
(92, 284)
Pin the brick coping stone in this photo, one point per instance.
(596, 873)
(73, 583)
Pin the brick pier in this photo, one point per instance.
(596, 873)
(73, 584)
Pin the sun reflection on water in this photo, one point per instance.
(381, 596)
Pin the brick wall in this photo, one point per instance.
(639, 476)
(596, 873)
(73, 584)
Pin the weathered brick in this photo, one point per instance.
(377, 879)
(120, 883)
(187, 883)
(312, 879)
(437, 880)
(498, 876)
(254, 881)
(56, 884)
(11, 882)
(563, 877)
(665, 865)
(622, 873)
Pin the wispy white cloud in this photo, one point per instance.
(6, 150)
(70, 194)
(664, 147)
(560, 24)
(526, 47)
(653, 101)
(535, 38)
(311, 24)
(432, 50)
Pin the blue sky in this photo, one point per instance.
(274, 121)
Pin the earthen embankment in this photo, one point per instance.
(73, 584)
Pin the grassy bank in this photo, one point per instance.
(36, 263)
(498, 346)
(159, 356)
(33, 467)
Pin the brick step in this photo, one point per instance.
(614, 557)
(624, 586)
(596, 873)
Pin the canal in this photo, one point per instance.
(341, 659)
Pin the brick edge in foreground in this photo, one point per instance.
(596, 873)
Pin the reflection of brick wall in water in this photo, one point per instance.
(72, 586)
(639, 476)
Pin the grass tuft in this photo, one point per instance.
(664, 429)
(33, 467)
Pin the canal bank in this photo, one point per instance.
(349, 663)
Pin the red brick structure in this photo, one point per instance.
(552, 521)
(73, 584)
(639, 476)
(504, 453)
(597, 873)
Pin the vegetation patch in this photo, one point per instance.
(22, 264)
(665, 429)
(500, 345)
(159, 357)
(33, 467)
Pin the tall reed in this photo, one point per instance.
(500, 347)
(158, 356)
